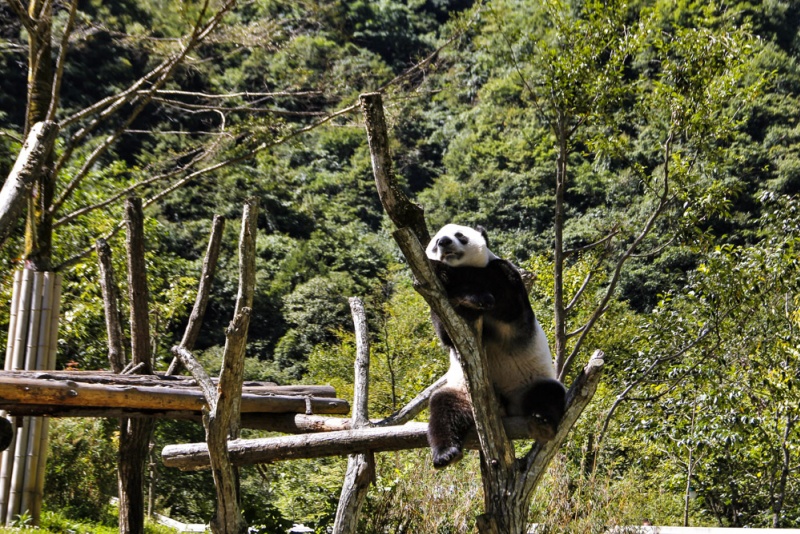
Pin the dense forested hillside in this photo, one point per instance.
(640, 156)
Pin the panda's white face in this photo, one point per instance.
(459, 246)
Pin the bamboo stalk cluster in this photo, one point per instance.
(32, 340)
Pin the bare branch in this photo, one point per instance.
(654, 251)
(663, 201)
(570, 252)
(62, 55)
(130, 189)
(360, 467)
(245, 94)
(185, 106)
(197, 35)
(580, 291)
(196, 370)
(82, 254)
(19, 10)
(623, 396)
(203, 290)
(413, 408)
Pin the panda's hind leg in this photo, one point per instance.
(545, 399)
(450, 420)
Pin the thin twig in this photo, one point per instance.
(62, 55)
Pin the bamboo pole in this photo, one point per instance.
(17, 469)
(21, 328)
(6, 462)
(50, 364)
(12, 319)
(22, 449)
(38, 359)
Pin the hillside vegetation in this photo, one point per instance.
(674, 125)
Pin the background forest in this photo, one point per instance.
(680, 118)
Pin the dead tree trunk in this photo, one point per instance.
(222, 419)
(30, 162)
(108, 286)
(135, 434)
(508, 482)
(360, 467)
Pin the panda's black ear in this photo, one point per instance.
(481, 230)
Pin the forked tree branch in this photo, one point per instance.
(411, 231)
(602, 306)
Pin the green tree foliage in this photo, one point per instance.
(81, 478)
(701, 332)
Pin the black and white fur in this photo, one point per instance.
(479, 284)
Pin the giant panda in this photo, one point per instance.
(479, 284)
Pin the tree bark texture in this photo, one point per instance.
(137, 286)
(108, 286)
(360, 467)
(559, 312)
(403, 212)
(39, 221)
(135, 434)
(29, 165)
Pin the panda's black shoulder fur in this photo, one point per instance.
(495, 291)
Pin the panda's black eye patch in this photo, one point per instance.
(462, 238)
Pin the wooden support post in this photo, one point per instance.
(360, 467)
(135, 434)
(108, 286)
(222, 419)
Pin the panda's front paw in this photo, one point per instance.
(446, 456)
(479, 301)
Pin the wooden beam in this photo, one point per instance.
(70, 393)
(194, 456)
(162, 380)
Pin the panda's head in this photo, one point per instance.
(460, 246)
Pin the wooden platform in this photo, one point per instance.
(105, 394)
